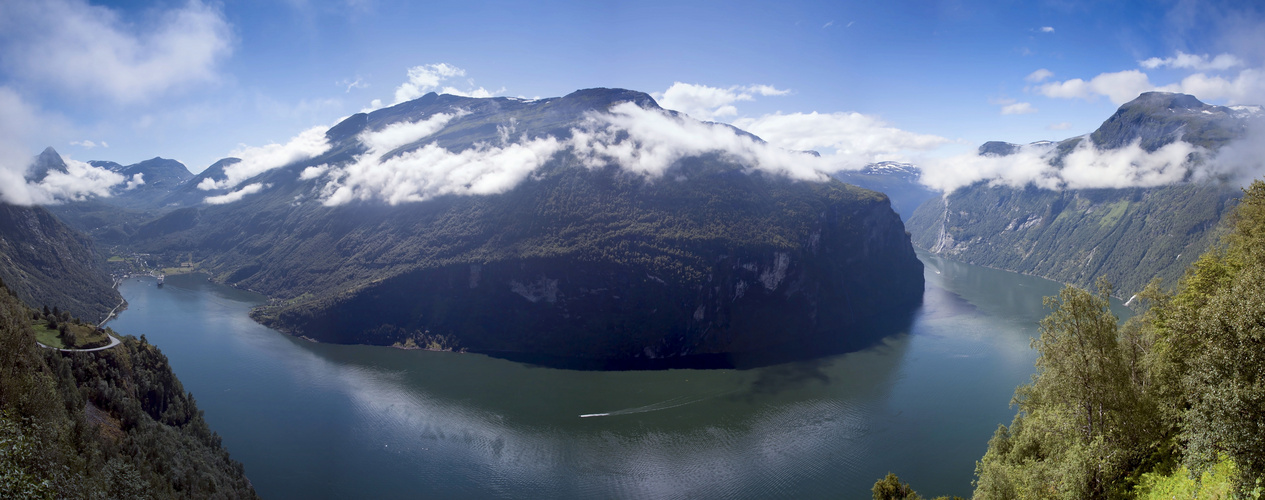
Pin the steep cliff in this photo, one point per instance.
(44, 262)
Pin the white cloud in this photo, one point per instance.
(313, 172)
(1027, 166)
(17, 121)
(479, 92)
(1039, 75)
(1047, 29)
(656, 140)
(828, 24)
(358, 83)
(137, 180)
(1240, 161)
(1084, 167)
(1129, 166)
(425, 78)
(1246, 88)
(236, 195)
(383, 141)
(81, 48)
(1059, 126)
(710, 103)
(79, 182)
(1193, 61)
(1120, 87)
(1018, 108)
(644, 141)
(87, 144)
(855, 139)
(431, 171)
(16, 118)
(257, 160)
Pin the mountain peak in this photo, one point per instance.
(1167, 100)
(1156, 119)
(48, 160)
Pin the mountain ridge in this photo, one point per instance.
(1131, 235)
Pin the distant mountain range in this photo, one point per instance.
(899, 181)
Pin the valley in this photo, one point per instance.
(384, 249)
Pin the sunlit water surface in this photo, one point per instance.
(331, 421)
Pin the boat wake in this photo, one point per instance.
(676, 402)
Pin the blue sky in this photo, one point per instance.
(196, 81)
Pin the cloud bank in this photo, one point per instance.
(260, 159)
(855, 139)
(236, 195)
(424, 173)
(657, 140)
(644, 141)
(81, 48)
(1084, 167)
(17, 119)
(710, 103)
(1245, 87)
(430, 78)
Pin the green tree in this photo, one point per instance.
(1085, 421)
(890, 488)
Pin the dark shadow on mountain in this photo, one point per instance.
(803, 359)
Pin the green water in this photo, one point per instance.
(328, 421)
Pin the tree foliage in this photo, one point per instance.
(1172, 403)
(108, 424)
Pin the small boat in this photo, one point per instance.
(160, 280)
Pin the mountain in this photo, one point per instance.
(1131, 235)
(899, 181)
(188, 193)
(1159, 118)
(44, 262)
(582, 260)
(148, 184)
(47, 161)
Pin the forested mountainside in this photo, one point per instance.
(46, 263)
(112, 424)
(575, 261)
(1130, 235)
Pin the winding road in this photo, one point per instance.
(114, 341)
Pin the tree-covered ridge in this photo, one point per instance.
(108, 424)
(1172, 402)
